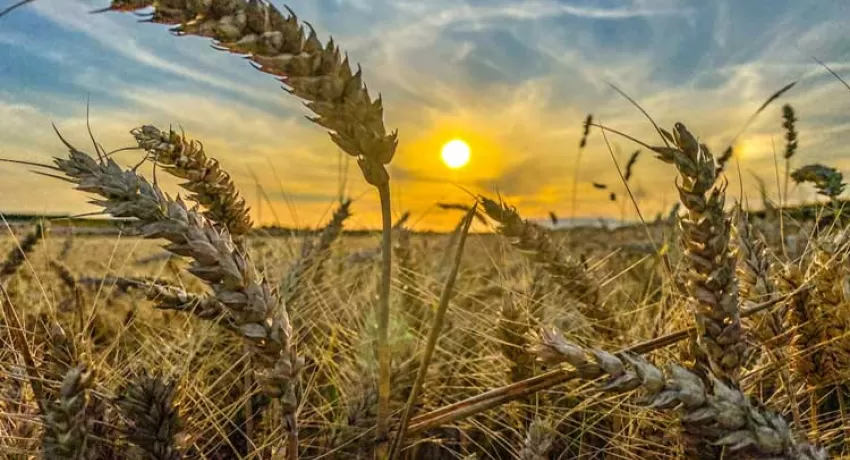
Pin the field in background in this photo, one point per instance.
(500, 300)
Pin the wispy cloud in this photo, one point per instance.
(514, 79)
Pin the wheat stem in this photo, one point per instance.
(433, 335)
(384, 351)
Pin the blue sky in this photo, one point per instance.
(513, 78)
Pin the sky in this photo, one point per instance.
(514, 79)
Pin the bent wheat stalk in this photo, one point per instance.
(518, 390)
(714, 411)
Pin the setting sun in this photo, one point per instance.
(455, 154)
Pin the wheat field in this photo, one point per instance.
(717, 331)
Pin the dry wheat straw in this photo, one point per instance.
(710, 410)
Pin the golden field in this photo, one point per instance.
(710, 332)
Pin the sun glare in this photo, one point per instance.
(455, 154)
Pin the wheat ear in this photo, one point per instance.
(515, 391)
(313, 256)
(756, 284)
(147, 403)
(278, 45)
(255, 308)
(210, 185)
(170, 297)
(512, 327)
(18, 255)
(538, 441)
(59, 357)
(66, 423)
(710, 278)
(710, 409)
(536, 242)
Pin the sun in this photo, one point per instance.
(455, 154)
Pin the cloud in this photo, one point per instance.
(155, 49)
(515, 80)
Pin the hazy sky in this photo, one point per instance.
(513, 78)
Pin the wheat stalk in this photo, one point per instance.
(256, 310)
(433, 336)
(711, 411)
(320, 75)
